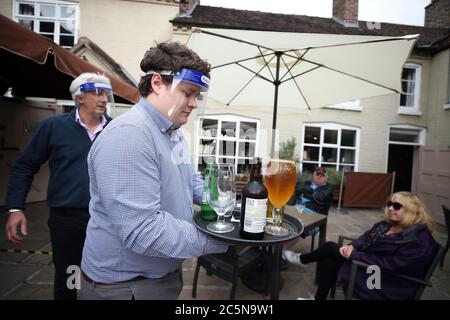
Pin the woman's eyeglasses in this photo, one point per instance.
(395, 205)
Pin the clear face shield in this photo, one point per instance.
(104, 94)
(189, 90)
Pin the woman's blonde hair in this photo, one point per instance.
(415, 211)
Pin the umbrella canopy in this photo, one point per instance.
(35, 66)
(260, 68)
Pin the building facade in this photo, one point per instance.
(381, 134)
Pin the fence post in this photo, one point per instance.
(340, 190)
(392, 182)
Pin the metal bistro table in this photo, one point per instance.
(294, 225)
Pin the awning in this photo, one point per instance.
(34, 66)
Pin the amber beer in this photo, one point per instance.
(280, 180)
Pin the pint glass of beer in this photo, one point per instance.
(280, 179)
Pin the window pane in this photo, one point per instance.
(244, 166)
(247, 149)
(228, 129)
(46, 26)
(311, 153)
(409, 74)
(330, 136)
(347, 156)
(47, 11)
(312, 135)
(227, 148)
(346, 168)
(67, 27)
(26, 9)
(329, 154)
(226, 160)
(67, 12)
(308, 169)
(407, 100)
(348, 138)
(404, 135)
(50, 36)
(207, 147)
(29, 24)
(66, 41)
(248, 131)
(209, 127)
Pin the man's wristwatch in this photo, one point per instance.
(14, 210)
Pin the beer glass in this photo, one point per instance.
(280, 179)
(222, 197)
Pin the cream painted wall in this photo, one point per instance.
(438, 117)
(6, 8)
(127, 29)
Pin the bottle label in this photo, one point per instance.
(255, 215)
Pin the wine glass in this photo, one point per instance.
(280, 180)
(222, 197)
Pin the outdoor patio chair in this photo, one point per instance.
(447, 222)
(422, 282)
(228, 266)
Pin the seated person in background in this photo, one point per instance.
(316, 195)
(401, 243)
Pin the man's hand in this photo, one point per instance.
(346, 251)
(16, 220)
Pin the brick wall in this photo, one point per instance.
(346, 11)
(437, 14)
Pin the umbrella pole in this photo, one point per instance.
(275, 102)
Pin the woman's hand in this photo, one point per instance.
(346, 251)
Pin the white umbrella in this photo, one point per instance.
(260, 68)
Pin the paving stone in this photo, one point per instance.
(12, 275)
(31, 276)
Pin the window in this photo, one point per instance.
(56, 20)
(409, 100)
(407, 135)
(330, 145)
(230, 139)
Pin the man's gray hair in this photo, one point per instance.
(85, 78)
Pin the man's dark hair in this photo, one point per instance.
(169, 56)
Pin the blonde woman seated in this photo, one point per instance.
(401, 243)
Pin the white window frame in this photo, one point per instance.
(227, 118)
(331, 126)
(56, 19)
(415, 109)
(422, 134)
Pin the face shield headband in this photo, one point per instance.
(187, 75)
(102, 91)
(189, 92)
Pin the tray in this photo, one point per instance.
(294, 225)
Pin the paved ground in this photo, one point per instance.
(28, 276)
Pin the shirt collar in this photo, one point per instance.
(164, 124)
(78, 119)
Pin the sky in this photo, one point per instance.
(411, 12)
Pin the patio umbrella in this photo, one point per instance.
(261, 68)
(33, 65)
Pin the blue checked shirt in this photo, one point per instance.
(142, 187)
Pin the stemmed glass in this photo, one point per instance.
(222, 197)
(280, 179)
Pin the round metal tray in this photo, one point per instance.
(294, 225)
